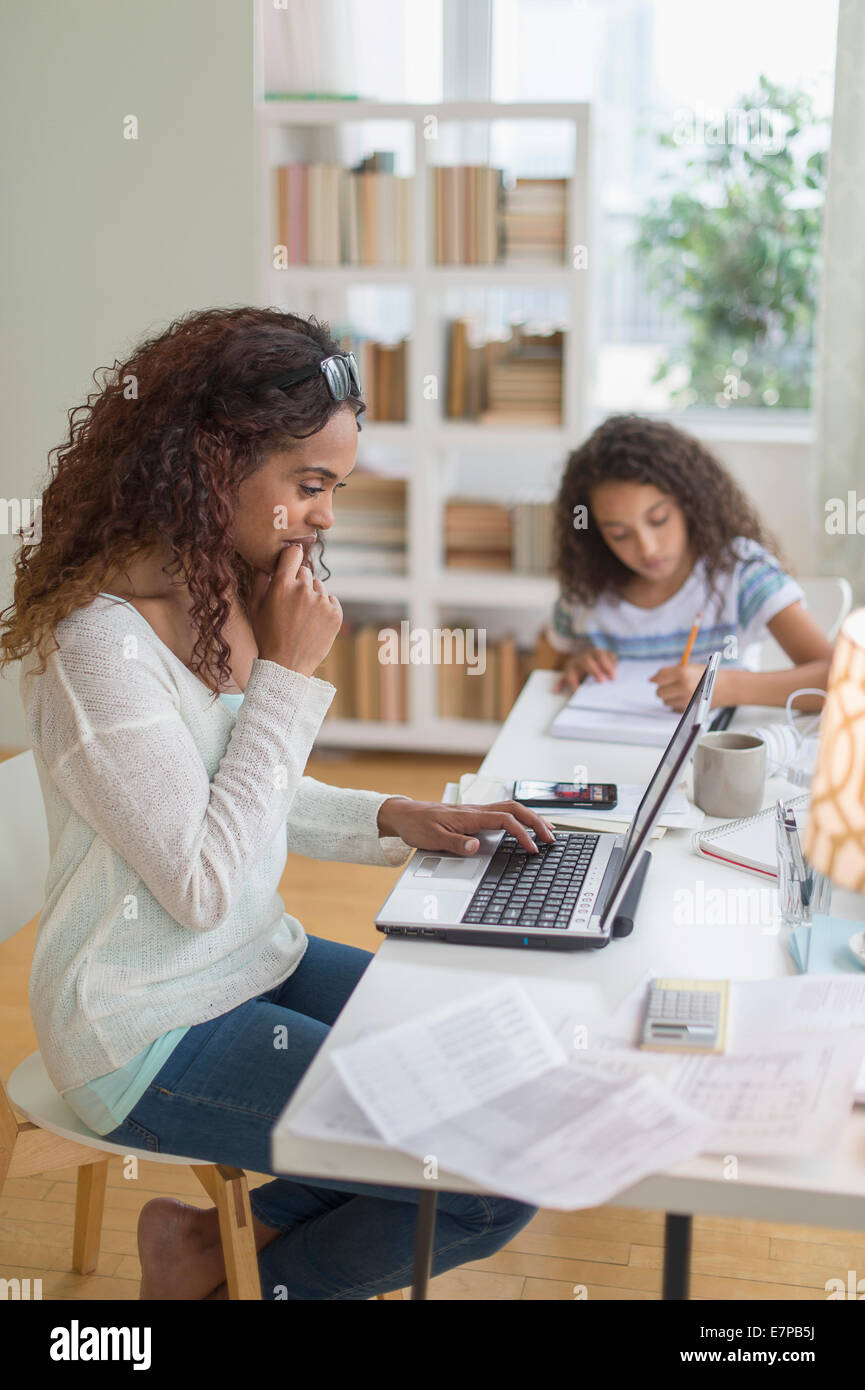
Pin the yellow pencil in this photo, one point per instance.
(692, 639)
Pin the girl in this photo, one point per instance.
(651, 531)
(171, 723)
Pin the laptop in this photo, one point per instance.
(578, 890)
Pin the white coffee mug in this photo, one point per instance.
(730, 774)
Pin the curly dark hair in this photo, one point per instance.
(159, 453)
(634, 449)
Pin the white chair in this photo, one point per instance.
(828, 600)
(54, 1136)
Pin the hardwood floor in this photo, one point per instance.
(610, 1252)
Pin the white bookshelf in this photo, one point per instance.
(430, 595)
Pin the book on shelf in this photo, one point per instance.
(312, 96)
(370, 533)
(492, 536)
(457, 352)
(480, 220)
(324, 199)
(468, 203)
(382, 373)
(487, 695)
(535, 220)
(513, 380)
(338, 667)
(329, 215)
(292, 214)
(534, 537)
(366, 688)
(477, 535)
(366, 667)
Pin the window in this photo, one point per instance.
(665, 289)
(655, 67)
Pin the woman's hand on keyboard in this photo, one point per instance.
(435, 825)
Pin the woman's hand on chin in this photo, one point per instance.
(435, 825)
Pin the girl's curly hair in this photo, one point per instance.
(159, 453)
(634, 449)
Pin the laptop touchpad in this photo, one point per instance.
(436, 866)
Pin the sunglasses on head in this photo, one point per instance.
(341, 374)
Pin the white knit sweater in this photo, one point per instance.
(169, 820)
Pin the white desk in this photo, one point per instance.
(828, 1190)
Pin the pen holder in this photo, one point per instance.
(799, 900)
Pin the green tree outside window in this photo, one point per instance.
(734, 249)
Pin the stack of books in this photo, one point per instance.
(382, 373)
(466, 695)
(366, 688)
(517, 380)
(534, 221)
(491, 536)
(477, 535)
(481, 221)
(369, 533)
(330, 215)
(468, 202)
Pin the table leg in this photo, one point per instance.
(677, 1256)
(423, 1243)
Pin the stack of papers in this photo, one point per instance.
(484, 1088)
(625, 710)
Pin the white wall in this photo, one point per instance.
(780, 478)
(103, 239)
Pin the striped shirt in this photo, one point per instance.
(735, 615)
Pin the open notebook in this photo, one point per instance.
(626, 710)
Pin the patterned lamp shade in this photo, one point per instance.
(834, 838)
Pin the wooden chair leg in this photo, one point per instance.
(89, 1208)
(395, 1293)
(8, 1136)
(227, 1189)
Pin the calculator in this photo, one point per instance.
(686, 1016)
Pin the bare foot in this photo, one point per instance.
(180, 1251)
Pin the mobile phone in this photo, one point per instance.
(595, 796)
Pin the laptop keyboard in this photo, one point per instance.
(533, 890)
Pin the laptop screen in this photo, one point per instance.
(665, 775)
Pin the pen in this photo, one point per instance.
(692, 639)
(785, 848)
(795, 846)
(795, 858)
(806, 874)
(722, 719)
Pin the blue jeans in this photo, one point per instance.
(217, 1099)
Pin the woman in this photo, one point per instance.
(176, 1003)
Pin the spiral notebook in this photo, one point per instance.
(749, 843)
